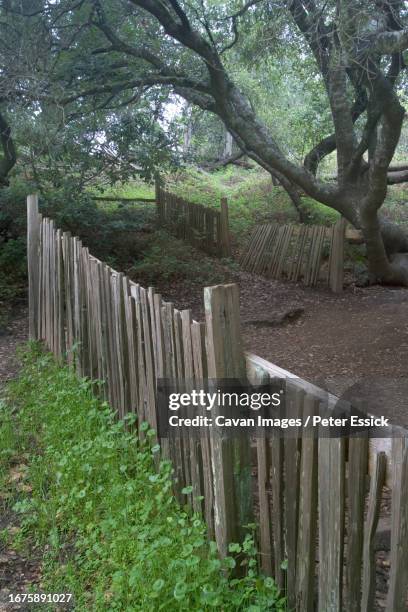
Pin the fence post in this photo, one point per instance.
(33, 242)
(336, 271)
(397, 590)
(230, 456)
(225, 239)
(159, 204)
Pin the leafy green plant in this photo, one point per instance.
(13, 258)
(13, 274)
(106, 520)
(133, 189)
(168, 259)
(252, 198)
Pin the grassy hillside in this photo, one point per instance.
(251, 195)
(252, 198)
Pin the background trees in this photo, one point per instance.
(292, 82)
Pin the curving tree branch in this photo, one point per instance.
(387, 43)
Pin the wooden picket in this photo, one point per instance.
(374, 503)
(356, 488)
(295, 252)
(205, 228)
(310, 495)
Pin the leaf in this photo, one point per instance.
(284, 564)
(180, 590)
(158, 585)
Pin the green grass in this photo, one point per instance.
(251, 197)
(104, 520)
(132, 189)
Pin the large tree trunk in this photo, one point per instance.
(394, 237)
(386, 248)
(387, 253)
(293, 194)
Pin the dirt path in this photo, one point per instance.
(18, 570)
(354, 343)
(16, 333)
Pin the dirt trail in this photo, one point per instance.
(15, 334)
(17, 570)
(357, 339)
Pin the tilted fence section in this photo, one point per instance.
(295, 252)
(311, 499)
(203, 227)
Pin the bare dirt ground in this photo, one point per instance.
(15, 334)
(354, 343)
(18, 570)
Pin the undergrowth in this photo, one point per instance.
(167, 258)
(135, 188)
(104, 518)
(251, 197)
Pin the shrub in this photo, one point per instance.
(13, 266)
(168, 259)
(117, 235)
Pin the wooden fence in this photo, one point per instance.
(205, 228)
(311, 500)
(295, 252)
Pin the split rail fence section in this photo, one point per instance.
(312, 505)
(205, 228)
(295, 252)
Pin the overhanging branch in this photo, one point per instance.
(387, 43)
(178, 82)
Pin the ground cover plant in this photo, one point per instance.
(252, 198)
(134, 188)
(101, 516)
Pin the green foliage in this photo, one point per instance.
(126, 237)
(12, 278)
(13, 209)
(319, 214)
(289, 95)
(12, 257)
(252, 198)
(168, 259)
(13, 265)
(117, 235)
(131, 189)
(103, 516)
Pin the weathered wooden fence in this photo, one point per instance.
(312, 504)
(205, 228)
(295, 252)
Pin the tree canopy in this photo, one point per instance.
(291, 80)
